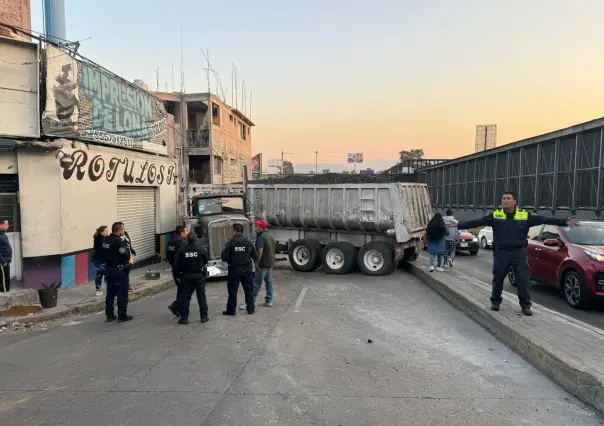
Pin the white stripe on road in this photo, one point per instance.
(300, 299)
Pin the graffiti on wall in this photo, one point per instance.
(125, 169)
(86, 102)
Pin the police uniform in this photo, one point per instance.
(510, 233)
(239, 253)
(118, 280)
(173, 247)
(190, 267)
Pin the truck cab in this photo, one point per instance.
(212, 215)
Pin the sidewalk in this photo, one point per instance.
(565, 349)
(82, 299)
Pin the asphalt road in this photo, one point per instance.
(305, 361)
(481, 265)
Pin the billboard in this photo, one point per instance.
(486, 137)
(355, 157)
(257, 166)
(88, 103)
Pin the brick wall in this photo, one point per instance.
(228, 144)
(18, 14)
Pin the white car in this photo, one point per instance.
(485, 236)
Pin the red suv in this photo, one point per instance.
(571, 259)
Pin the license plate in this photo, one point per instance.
(463, 245)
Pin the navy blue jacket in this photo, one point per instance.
(239, 252)
(173, 247)
(510, 233)
(119, 252)
(6, 251)
(100, 248)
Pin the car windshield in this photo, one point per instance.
(588, 234)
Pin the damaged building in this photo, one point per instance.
(217, 139)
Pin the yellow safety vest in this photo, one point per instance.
(519, 215)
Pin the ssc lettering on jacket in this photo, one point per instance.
(106, 245)
(240, 248)
(171, 248)
(192, 254)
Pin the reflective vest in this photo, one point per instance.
(519, 215)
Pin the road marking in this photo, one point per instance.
(300, 299)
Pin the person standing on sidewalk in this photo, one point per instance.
(6, 257)
(118, 271)
(510, 232)
(239, 253)
(450, 238)
(100, 249)
(173, 246)
(435, 232)
(128, 240)
(190, 267)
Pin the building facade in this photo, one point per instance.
(104, 152)
(216, 144)
(16, 13)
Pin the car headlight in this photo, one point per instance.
(474, 239)
(594, 256)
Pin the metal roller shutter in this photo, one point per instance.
(136, 208)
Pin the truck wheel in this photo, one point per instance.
(338, 258)
(305, 255)
(376, 259)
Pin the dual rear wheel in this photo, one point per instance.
(374, 259)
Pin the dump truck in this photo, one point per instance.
(337, 227)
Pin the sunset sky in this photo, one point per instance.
(377, 77)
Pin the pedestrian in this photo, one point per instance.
(100, 248)
(239, 253)
(450, 238)
(266, 247)
(190, 266)
(117, 269)
(173, 246)
(436, 241)
(128, 241)
(510, 232)
(6, 257)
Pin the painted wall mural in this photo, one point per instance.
(86, 102)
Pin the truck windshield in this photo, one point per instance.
(210, 206)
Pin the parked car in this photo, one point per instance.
(485, 237)
(571, 259)
(467, 242)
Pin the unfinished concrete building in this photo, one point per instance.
(217, 144)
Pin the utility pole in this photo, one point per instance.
(316, 162)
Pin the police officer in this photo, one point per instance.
(239, 253)
(173, 247)
(510, 232)
(190, 267)
(118, 264)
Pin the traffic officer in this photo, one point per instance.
(239, 253)
(510, 232)
(118, 265)
(173, 246)
(190, 267)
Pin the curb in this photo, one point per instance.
(160, 286)
(578, 379)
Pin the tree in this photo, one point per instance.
(288, 168)
(413, 154)
(325, 171)
(346, 172)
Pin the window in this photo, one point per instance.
(210, 206)
(243, 131)
(9, 210)
(215, 114)
(549, 232)
(217, 165)
(588, 234)
(533, 233)
(230, 118)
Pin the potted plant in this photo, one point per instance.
(49, 294)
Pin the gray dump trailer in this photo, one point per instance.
(338, 227)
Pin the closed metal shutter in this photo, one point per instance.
(136, 208)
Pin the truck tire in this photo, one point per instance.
(376, 259)
(338, 258)
(305, 255)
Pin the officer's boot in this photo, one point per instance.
(204, 318)
(125, 318)
(527, 312)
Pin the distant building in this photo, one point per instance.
(218, 138)
(486, 137)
